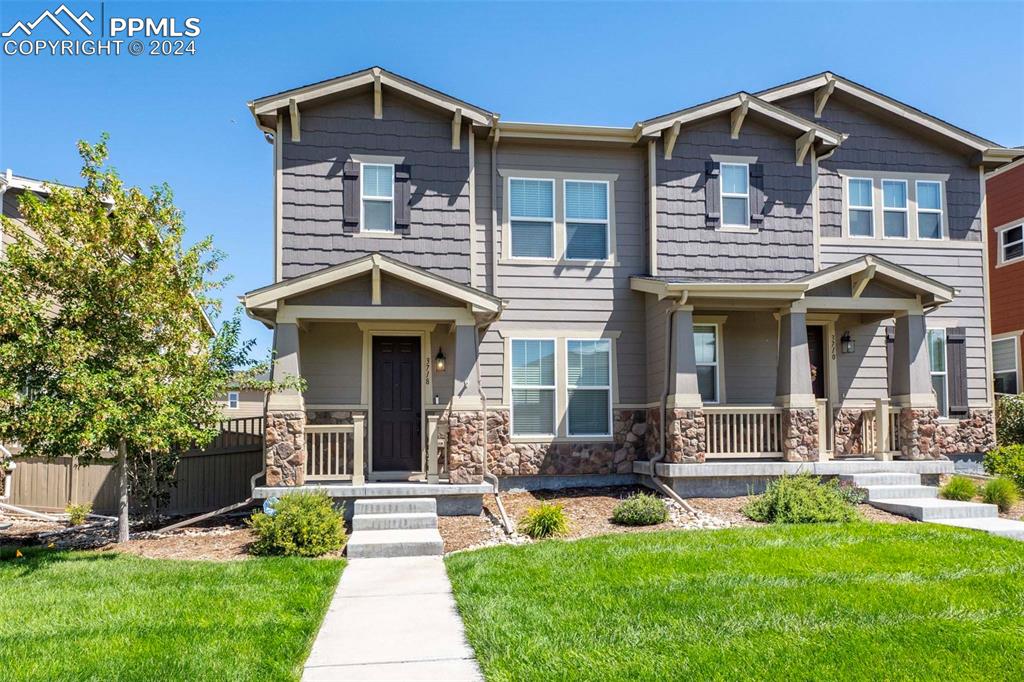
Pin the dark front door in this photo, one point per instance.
(816, 349)
(397, 400)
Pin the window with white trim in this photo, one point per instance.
(1011, 244)
(937, 367)
(929, 209)
(861, 207)
(532, 217)
(378, 197)
(586, 220)
(705, 346)
(735, 194)
(894, 209)
(233, 400)
(589, 385)
(533, 387)
(1004, 364)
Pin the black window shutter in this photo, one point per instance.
(351, 196)
(890, 347)
(756, 193)
(712, 185)
(956, 370)
(402, 221)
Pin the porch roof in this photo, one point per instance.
(263, 303)
(860, 272)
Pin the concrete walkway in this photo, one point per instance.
(392, 619)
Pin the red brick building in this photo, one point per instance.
(1005, 189)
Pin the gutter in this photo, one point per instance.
(494, 207)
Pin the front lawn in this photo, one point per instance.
(856, 601)
(106, 616)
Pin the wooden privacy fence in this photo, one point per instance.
(206, 479)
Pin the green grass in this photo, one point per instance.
(854, 601)
(105, 616)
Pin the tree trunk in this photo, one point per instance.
(122, 489)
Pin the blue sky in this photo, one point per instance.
(183, 119)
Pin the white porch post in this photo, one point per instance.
(285, 439)
(912, 386)
(685, 428)
(794, 392)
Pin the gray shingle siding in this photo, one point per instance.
(312, 194)
(879, 145)
(782, 249)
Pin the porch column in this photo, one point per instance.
(685, 428)
(912, 387)
(794, 392)
(466, 417)
(285, 440)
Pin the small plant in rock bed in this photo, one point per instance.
(801, 499)
(640, 509)
(1007, 461)
(1001, 492)
(852, 493)
(544, 520)
(303, 524)
(959, 488)
(78, 513)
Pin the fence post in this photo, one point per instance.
(882, 430)
(358, 423)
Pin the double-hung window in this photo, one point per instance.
(588, 380)
(735, 195)
(937, 366)
(532, 217)
(1004, 362)
(378, 197)
(533, 387)
(705, 345)
(894, 208)
(1011, 244)
(861, 207)
(929, 209)
(233, 400)
(586, 220)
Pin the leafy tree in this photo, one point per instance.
(103, 338)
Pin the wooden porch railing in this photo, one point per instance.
(879, 429)
(335, 451)
(743, 431)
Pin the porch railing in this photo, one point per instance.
(743, 431)
(335, 451)
(880, 433)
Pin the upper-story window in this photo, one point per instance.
(929, 209)
(532, 217)
(1011, 244)
(894, 206)
(586, 220)
(735, 195)
(233, 400)
(378, 197)
(861, 207)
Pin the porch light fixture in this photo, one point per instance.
(439, 361)
(847, 342)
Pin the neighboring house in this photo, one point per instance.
(12, 188)
(796, 275)
(243, 402)
(1006, 265)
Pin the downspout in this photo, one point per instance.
(494, 206)
(488, 476)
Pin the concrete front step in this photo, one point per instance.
(891, 492)
(378, 544)
(881, 478)
(396, 505)
(1005, 528)
(932, 509)
(394, 521)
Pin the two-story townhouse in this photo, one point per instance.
(1006, 267)
(792, 276)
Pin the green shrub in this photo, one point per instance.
(303, 524)
(77, 513)
(801, 499)
(1001, 492)
(1007, 461)
(543, 521)
(852, 493)
(640, 509)
(1010, 420)
(959, 488)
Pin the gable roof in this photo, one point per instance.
(269, 296)
(892, 106)
(865, 268)
(269, 105)
(829, 138)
